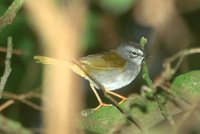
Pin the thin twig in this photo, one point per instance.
(187, 114)
(180, 101)
(22, 98)
(6, 104)
(169, 71)
(183, 53)
(178, 64)
(10, 14)
(15, 51)
(165, 114)
(7, 66)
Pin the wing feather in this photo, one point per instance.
(107, 60)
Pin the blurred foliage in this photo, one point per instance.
(116, 7)
(90, 36)
(12, 127)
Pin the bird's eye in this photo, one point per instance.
(134, 53)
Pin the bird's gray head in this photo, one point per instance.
(132, 52)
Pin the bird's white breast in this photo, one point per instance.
(116, 79)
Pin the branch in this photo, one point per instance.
(10, 14)
(15, 51)
(169, 71)
(7, 66)
(183, 54)
(23, 98)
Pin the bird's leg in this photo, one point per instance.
(98, 98)
(123, 98)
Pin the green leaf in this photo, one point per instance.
(188, 86)
(99, 121)
(107, 119)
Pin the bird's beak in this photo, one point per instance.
(145, 55)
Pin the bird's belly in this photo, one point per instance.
(115, 79)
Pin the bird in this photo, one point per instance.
(113, 69)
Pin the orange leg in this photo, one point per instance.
(98, 98)
(117, 95)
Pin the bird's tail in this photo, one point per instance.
(52, 61)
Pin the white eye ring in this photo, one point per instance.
(134, 53)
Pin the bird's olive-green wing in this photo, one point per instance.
(107, 60)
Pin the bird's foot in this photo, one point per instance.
(123, 99)
(101, 105)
